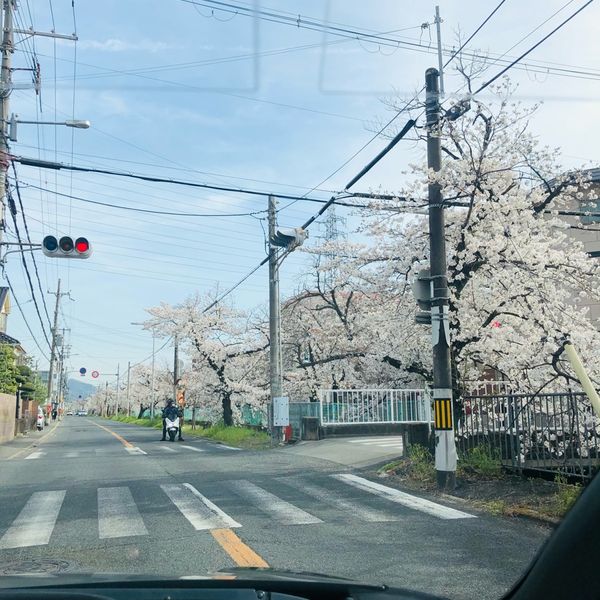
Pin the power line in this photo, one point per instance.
(12, 209)
(23, 315)
(300, 22)
(146, 210)
(37, 273)
(454, 54)
(536, 45)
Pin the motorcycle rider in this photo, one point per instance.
(169, 412)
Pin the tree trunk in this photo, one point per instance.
(227, 413)
(143, 409)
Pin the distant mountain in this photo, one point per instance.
(78, 388)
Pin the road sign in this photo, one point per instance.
(281, 411)
(83, 371)
(95, 374)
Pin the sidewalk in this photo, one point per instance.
(356, 451)
(19, 445)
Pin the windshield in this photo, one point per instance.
(307, 286)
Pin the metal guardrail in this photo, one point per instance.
(544, 432)
(354, 407)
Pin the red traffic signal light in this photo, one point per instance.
(82, 245)
(66, 248)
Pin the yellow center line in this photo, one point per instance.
(120, 438)
(242, 555)
(39, 441)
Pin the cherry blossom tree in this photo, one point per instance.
(517, 279)
(227, 348)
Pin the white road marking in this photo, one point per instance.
(35, 523)
(355, 509)
(118, 515)
(35, 454)
(196, 508)
(379, 440)
(134, 450)
(192, 448)
(282, 511)
(426, 506)
(74, 454)
(224, 447)
(167, 449)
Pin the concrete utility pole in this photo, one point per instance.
(152, 377)
(276, 378)
(438, 29)
(5, 88)
(175, 366)
(118, 391)
(128, 382)
(53, 345)
(106, 399)
(445, 447)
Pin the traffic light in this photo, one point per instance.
(65, 247)
(289, 238)
(423, 293)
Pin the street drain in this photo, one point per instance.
(34, 566)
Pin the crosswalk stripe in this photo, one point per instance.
(118, 515)
(326, 496)
(281, 510)
(134, 450)
(196, 508)
(408, 500)
(167, 449)
(36, 454)
(193, 448)
(382, 444)
(35, 523)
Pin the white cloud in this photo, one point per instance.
(117, 45)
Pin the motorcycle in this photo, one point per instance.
(172, 427)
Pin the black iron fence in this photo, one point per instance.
(541, 432)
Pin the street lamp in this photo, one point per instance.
(152, 375)
(74, 123)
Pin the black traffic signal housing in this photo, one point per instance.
(66, 247)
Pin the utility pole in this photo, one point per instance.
(118, 386)
(175, 366)
(152, 377)
(276, 379)
(5, 88)
(53, 345)
(128, 381)
(106, 399)
(438, 29)
(445, 446)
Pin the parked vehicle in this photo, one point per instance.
(69, 413)
(40, 420)
(172, 427)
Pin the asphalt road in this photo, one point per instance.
(105, 497)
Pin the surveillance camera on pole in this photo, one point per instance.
(289, 238)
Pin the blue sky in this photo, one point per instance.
(176, 91)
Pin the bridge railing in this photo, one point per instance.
(359, 407)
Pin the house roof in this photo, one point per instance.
(7, 339)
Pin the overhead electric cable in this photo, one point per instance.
(12, 291)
